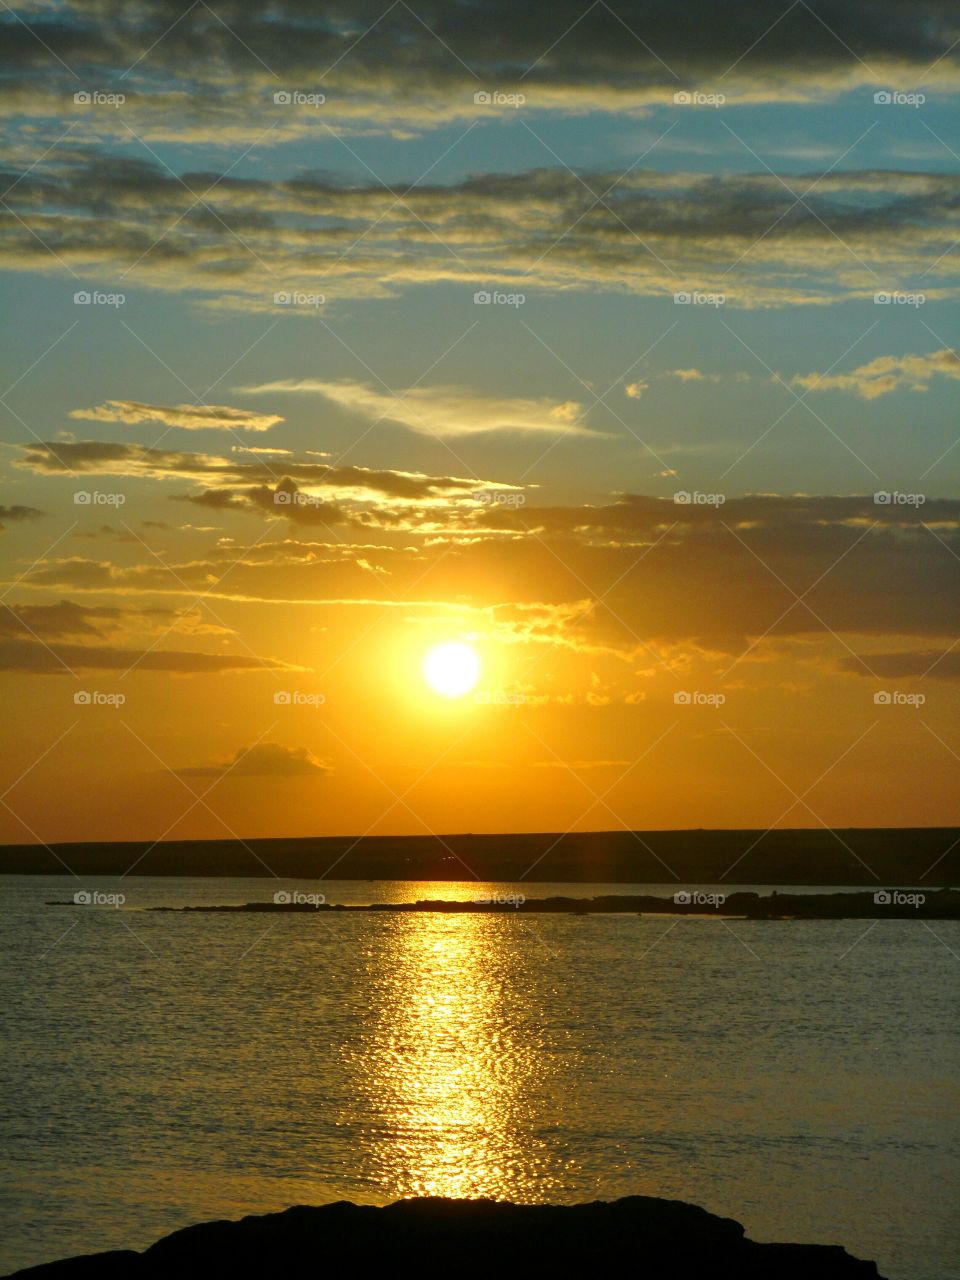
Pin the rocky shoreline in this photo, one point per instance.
(881, 904)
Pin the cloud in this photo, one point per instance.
(443, 411)
(215, 499)
(52, 639)
(636, 389)
(191, 417)
(649, 569)
(398, 67)
(32, 657)
(694, 375)
(56, 621)
(743, 234)
(916, 662)
(361, 484)
(886, 374)
(16, 515)
(264, 760)
(66, 619)
(578, 766)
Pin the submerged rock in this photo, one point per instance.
(648, 1237)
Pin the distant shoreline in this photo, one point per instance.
(868, 857)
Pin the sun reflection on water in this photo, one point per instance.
(452, 1074)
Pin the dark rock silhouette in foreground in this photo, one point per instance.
(651, 1238)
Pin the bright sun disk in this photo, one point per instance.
(451, 669)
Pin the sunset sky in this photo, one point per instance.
(382, 327)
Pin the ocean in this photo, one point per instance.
(161, 1069)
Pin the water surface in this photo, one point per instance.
(162, 1069)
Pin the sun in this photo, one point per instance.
(451, 669)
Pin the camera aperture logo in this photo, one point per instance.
(298, 298)
(896, 698)
(98, 298)
(499, 498)
(697, 98)
(297, 898)
(94, 498)
(297, 98)
(686, 498)
(499, 698)
(499, 900)
(94, 698)
(897, 299)
(898, 898)
(897, 98)
(97, 98)
(95, 898)
(696, 898)
(497, 298)
(695, 698)
(298, 698)
(698, 298)
(296, 498)
(495, 98)
(894, 498)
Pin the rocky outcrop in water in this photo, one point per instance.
(882, 904)
(639, 1235)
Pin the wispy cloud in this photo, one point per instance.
(744, 235)
(443, 411)
(886, 374)
(263, 760)
(17, 514)
(191, 417)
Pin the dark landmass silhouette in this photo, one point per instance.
(886, 904)
(857, 856)
(651, 1237)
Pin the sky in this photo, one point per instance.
(615, 342)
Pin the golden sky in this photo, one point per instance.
(618, 354)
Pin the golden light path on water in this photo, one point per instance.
(454, 1083)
